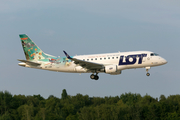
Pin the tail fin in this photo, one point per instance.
(31, 50)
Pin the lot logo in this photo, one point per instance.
(110, 68)
(131, 59)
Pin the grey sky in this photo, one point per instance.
(89, 27)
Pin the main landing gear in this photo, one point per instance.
(95, 77)
(147, 69)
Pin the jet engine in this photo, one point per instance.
(112, 69)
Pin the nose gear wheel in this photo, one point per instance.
(148, 74)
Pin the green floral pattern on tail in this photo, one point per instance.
(31, 50)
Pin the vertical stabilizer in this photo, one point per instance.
(31, 50)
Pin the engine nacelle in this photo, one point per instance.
(110, 69)
(116, 73)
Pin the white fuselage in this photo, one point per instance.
(110, 63)
(122, 60)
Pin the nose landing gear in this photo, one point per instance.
(95, 77)
(148, 74)
(147, 69)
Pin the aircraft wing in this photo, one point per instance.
(30, 63)
(85, 64)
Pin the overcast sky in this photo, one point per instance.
(89, 27)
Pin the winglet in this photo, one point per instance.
(67, 55)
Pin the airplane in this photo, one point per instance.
(110, 63)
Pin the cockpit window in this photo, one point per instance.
(154, 54)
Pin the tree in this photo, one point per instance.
(64, 94)
(52, 109)
(5, 101)
(26, 112)
(5, 116)
(162, 98)
(130, 98)
(72, 117)
(41, 115)
(173, 116)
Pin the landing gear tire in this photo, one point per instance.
(147, 69)
(148, 74)
(92, 76)
(96, 77)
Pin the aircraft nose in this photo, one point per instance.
(164, 61)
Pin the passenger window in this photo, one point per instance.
(83, 59)
(104, 58)
(112, 57)
(87, 59)
(108, 57)
(116, 57)
(95, 58)
(91, 59)
(100, 58)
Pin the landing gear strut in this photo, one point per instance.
(95, 77)
(147, 68)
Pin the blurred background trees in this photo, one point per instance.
(128, 106)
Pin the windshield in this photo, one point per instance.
(154, 54)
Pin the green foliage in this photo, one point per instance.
(130, 99)
(127, 106)
(5, 116)
(26, 112)
(64, 94)
(5, 102)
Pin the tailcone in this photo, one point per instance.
(22, 64)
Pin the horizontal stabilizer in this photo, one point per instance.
(30, 63)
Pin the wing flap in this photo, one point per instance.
(87, 65)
